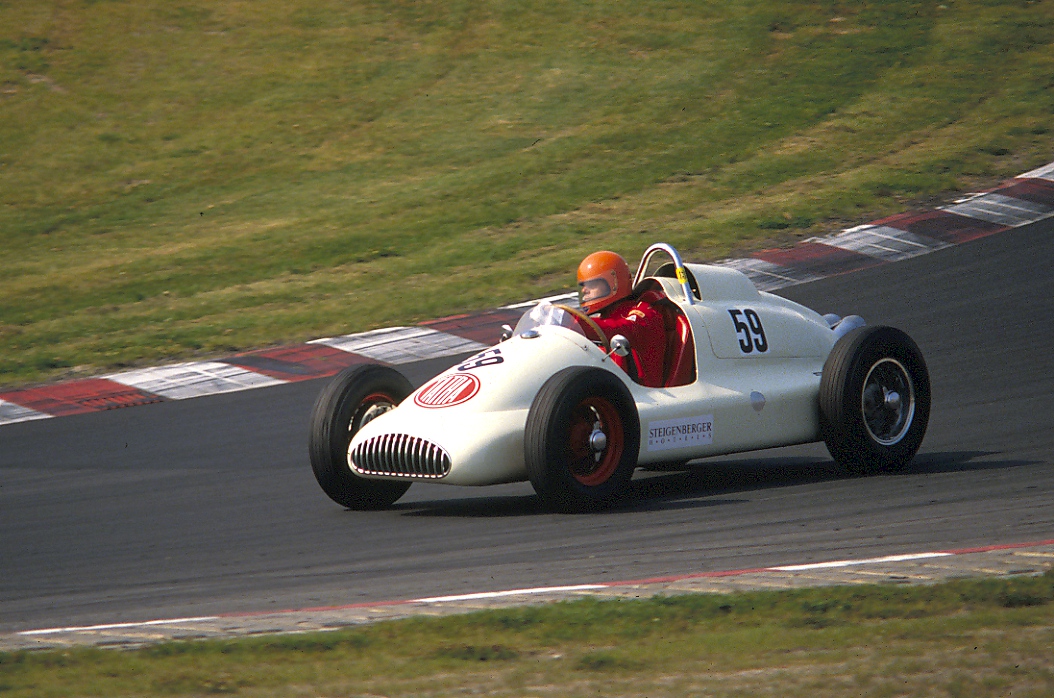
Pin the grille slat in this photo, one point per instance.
(417, 453)
(400, 455)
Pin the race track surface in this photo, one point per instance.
(208, 506)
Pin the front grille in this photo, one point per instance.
(400, 455)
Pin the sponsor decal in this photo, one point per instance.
(449, 390)
(681, 433)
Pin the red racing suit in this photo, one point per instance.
(639, 322)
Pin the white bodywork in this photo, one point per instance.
(740, 399)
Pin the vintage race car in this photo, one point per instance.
(743, 370)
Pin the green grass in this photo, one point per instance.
(973, 638)
(190, 178)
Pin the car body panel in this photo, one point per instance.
(759, 359)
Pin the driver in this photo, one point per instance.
(604, 292)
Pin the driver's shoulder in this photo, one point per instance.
(650, 297)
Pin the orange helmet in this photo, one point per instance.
(603, 278)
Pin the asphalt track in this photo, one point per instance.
(208, 506)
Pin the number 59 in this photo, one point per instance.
(751, 333)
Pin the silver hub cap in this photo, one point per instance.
(598, 441)
(888, 402)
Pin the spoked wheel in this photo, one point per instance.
(888, 402)
(355, 397)
(596, 440)
(874, 400)
(582, 440)
(372, 406)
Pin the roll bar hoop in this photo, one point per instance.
(679, 270)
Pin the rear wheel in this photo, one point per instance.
(874, 400)
(353, 398)
(582, 440)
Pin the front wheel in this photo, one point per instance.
(874, 400)
(581, 440)
(353, 398)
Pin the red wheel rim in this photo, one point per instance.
(588, 465)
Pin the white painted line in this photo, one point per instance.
(11, 413)
(539, 590)
(882, 242)
(1045, 172)
(181, 381)
(854, 563)
(767, 276)
(514, 592)
(1001, 210)
(118, 626)
(401, 345)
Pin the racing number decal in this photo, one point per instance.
(491, 357)
(751, 333)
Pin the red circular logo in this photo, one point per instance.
(447, 391)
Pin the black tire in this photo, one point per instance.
(568, 471)
(340, 411)
(874, 400)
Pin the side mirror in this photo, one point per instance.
(619, 346)
(506, 332)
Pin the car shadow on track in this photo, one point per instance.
(724, 477)
(708, 484)
(962, 461)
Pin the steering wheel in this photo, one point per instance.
(590, 322)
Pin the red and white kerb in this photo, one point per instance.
(447, 391)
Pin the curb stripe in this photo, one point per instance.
(944, 226)
(1001, 210)
(1019, 201)
(11, 413)
(79, 397)
(484, 327)
(767, 276)
(297, 363)
(817, 259)
(1045, 172)
(1038, 191)
(182, 381)
(403, 345)
(561, 298)
(884, 242)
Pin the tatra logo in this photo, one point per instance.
(447, 391)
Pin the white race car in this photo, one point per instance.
(743, 370)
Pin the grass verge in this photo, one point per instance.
(991, 637)
(182, 179)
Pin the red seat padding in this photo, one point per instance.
(680, 353)
(678, 367)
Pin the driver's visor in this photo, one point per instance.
(593, 289)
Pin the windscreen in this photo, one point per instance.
(546, 313)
